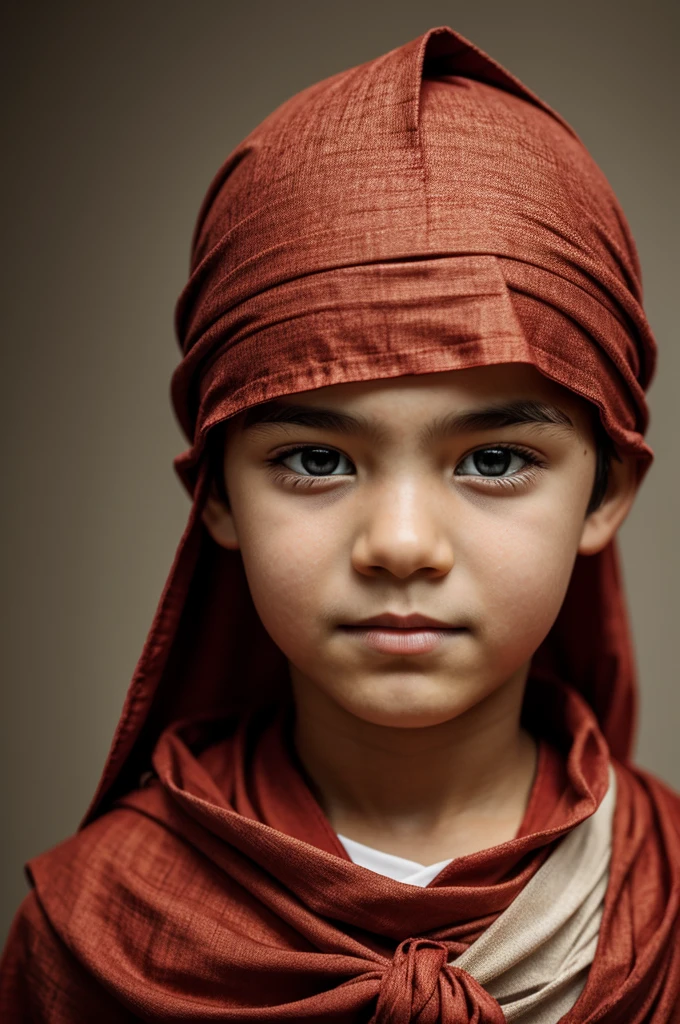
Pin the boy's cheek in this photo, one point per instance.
(287, 582)
(520, 603)
(512, 613)
(512, 575)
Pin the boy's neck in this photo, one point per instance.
(427, 794)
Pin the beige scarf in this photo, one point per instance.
(534, 959)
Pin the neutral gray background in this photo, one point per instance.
(119, 114)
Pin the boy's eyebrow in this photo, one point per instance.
(494, 417)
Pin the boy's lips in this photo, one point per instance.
(393, 621)
(389, 633)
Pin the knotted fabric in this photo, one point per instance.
(424, 211)
(533, 959)
(420, 986)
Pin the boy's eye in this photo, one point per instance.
(485, 462)
(492, 462)
(315, 461)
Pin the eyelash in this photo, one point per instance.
(534, 463)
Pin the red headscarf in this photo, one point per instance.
(422, 212)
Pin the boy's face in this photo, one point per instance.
(476, 526)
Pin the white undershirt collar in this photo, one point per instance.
(397, 868)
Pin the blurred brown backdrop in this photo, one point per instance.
(117, 117)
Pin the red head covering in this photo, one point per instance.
(419, 213)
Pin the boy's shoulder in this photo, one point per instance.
(41, 979)
(63, 947)
(102, 901)
(142, 877)
(118, 859)
(648, 798)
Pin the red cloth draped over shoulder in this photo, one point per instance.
(421, 212)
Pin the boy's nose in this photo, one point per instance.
(403, 533)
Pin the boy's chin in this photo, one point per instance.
(407, 719)
(410, 710)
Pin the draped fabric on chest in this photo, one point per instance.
(194, 859)
(255, 773)
(432, 214)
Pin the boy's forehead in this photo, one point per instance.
(516, 391)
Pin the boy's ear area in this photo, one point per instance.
(219, 522)
(601, 525)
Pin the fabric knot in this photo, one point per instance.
(420, 987)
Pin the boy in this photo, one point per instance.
(374, 761)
